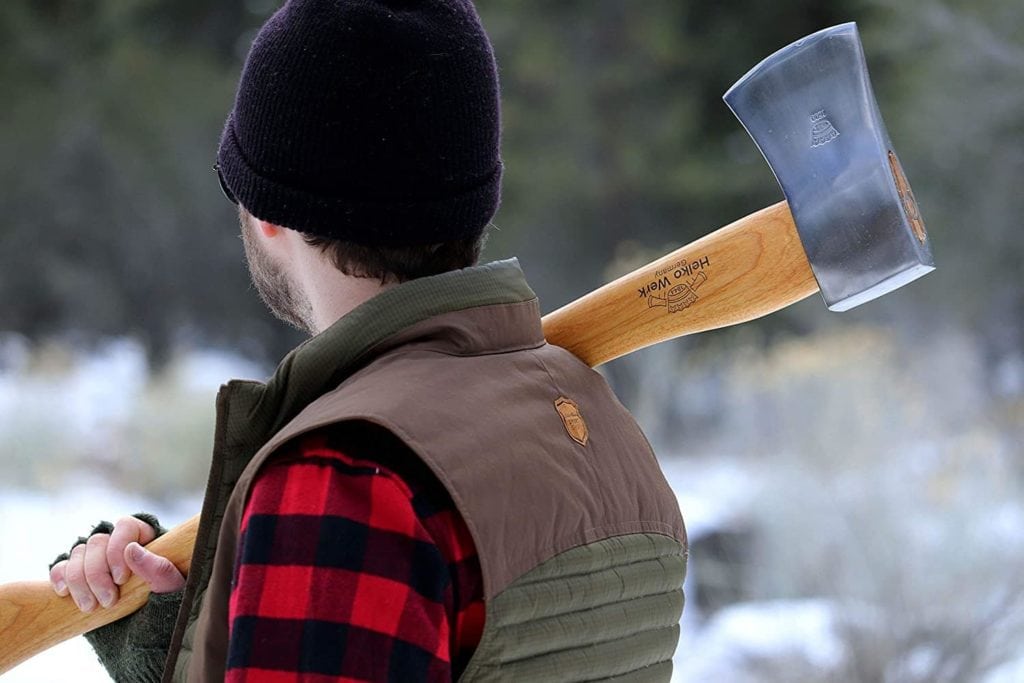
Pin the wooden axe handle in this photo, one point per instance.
(743, 271)
(740, 272)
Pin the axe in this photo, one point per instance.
(849, 228)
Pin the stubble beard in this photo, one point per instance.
(280, 294)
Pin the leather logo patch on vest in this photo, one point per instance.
(572, 419)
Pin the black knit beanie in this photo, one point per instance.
(370, 121)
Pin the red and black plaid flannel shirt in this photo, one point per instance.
(352, 569)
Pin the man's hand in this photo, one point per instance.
(97, 567)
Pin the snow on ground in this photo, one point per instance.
(95, 389)
(1011, 672)
(800, 629)
(715, 495)
(90, 390)
(203, 370)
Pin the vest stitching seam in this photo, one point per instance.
(583, 647)
(660, 593)
(652, 558)
(604, 527)
(626, 673)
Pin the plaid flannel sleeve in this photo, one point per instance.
(347, 571)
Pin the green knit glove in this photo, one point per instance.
(133, 649)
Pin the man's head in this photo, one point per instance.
(371, 128)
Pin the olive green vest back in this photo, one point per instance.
(581, 545)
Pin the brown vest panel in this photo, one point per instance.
(537, 453)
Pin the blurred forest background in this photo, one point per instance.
(852, 483)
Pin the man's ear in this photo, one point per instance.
(269, 230)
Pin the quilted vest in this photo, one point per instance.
(581, 544)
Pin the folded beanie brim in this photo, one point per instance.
(354, 219)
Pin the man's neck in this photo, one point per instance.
(331, 293)
(334, 299)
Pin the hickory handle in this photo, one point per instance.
(740, 272)
(753, 267)
(33, 618)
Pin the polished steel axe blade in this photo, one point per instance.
(811, 110)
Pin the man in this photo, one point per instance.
(425, 490)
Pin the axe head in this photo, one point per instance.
(812, 113)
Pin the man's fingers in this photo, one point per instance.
(94, 569)
(60, 586)
(127, 530)
(97, 571)
(159, 572)
(74, 574)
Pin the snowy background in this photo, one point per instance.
(853, 515)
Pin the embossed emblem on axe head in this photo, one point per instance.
(811, 110)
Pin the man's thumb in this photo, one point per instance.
(161, 575)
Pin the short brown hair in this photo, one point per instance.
(399, 264)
